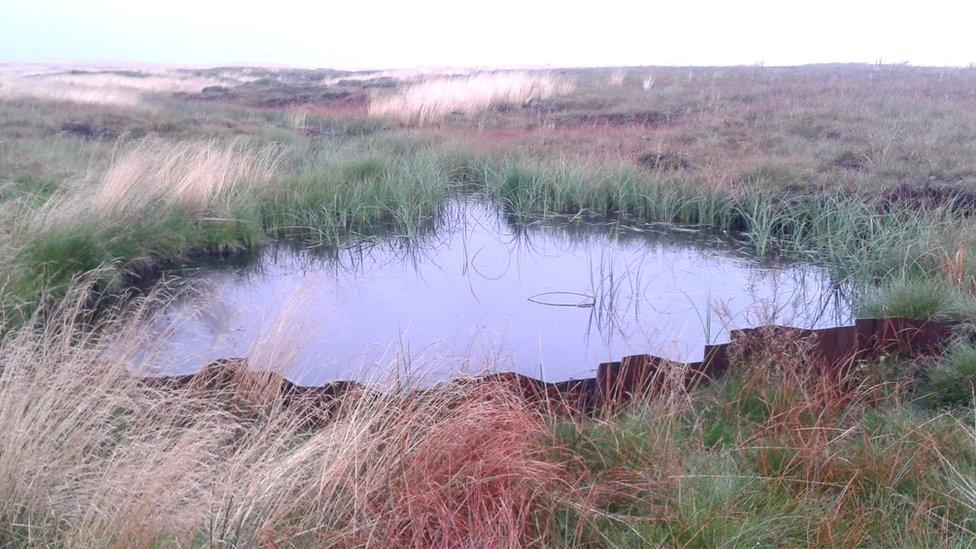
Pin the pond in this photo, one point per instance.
(476, 291)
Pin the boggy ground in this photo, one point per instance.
(105, 175)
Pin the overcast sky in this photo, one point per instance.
(391, 34)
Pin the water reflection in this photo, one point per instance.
(476, 290)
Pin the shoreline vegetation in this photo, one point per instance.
(105, 175)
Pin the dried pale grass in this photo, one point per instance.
(91, 456)
(102, 88)
(617, 77)
(194, 175)
(403, 75)
(199, 177)
(435, 99)
(296, 118)
(56, 91)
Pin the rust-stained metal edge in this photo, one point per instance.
(831, 349)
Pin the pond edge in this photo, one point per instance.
(831, 351)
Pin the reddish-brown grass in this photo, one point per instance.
(482, 477)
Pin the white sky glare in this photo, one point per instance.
(390, 34)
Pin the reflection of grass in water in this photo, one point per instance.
(615, 291)
(619, 292)
(563, 299)
(604, 291)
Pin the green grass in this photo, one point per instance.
(329, 191)
(760, 459)
(925, 298)
(332, 194)
(952, 380)
(867, 171)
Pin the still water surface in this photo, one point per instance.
(477, 291)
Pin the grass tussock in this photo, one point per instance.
(931, 298)
(194, 176)
(154, 200)
(435, 99)
(952, 381)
